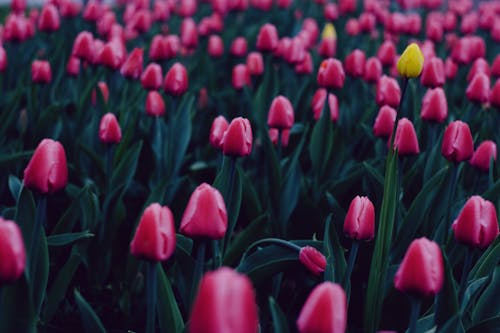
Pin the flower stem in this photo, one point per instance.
(151, 296)
(279, 147)
(465, 273)
(451, 194)
(41, 212)
(415, 311)
(276, 241)
(216, 255)
(198, 268)
(228, 200)
(350, 262)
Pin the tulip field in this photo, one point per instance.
(247, 166)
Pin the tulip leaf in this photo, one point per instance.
(124, 171)
(25, 214)
(184, 243)
(334, 252)
(493, 192)
(290, 193)
(374, 173)
(320, 146)
(68, 238)
(91, 322)
(383, 239)
(446, 304)
(83, 207)
(15, 157)
(488, 304)
(453, 325)
(488, 261)
(15, 186)
(179, 135)
(169, 317)
(488, 325)
(280, 324)
(426, 324)
(18, 313)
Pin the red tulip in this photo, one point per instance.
(327, 47)
(187, 8)
(73, 66)
(237, 140)
(215, 46)
(141, 21)
(325, 310)
(359, 223)
(355, 63)
(422, 271)
(310, 25)
(373, 70)
(92, 11)
(219, 127)
(406, 138)
(330, 11)
(384, 123)
(264, 5)
(481, 158)
(69, 9)
(176, 80)
(189, 34)
(450, 68)
(113, 54)
(105, 23)
(450, 21)
(388, 92)
(331, 74)
(283, 4)
(132, 67)
(312, 259)
(281, 114)
(480, 65)
(352, 27)
(49, 18)
(40, 71)
(318, 102)
(240, 76)
(295, 52)
(434, 30)
(347, 6)
(225, 303)
(103, 88)
(47, 171)
(306, 66)
(255, 64)
(469, 23)
(109, 129)
(154, 238)
(433, 73)
(457, 142)
(462, 52)
(478, 89)
(367, 22)
(274, 134)
(164, 48)
(12, 252)
(16, 28)
(155, 106)
(151, 78)
(205, 214)
(387, 53)
(434, 105)
(161, 11)
(239, 47)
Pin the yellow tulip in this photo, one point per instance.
(329, 32)
(411, 62)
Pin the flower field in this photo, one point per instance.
(244, 166)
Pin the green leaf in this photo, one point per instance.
(180, 134)
(488, 304)
(383, 239)
(185, 243)
(15, 186)
(18, 313)
(280, 324)
(374, 173)
(39, 281)
(473, 288)
(290, 192)
(488, 261)
(320, 146)
(68, 238)
(91, 321)
(15, 157)
(25, 214)
(124, 172)
(491, 325)
(446, 305)
(334, 252)
(169, 315)
(453, 325)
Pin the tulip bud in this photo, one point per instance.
(49, 20)
(312, 259)
(12, 252)
(18, 6)
(225, 303)
(495, 66)
(330, 12)
(176, 80)
(495, 94)
(477, 223)
(325, 310)
(457, 142)
(240, 76)
(384, 123)
(359, 223)
(306, 66)
(238, 47)
(367, 22)
(327, 47)
(355, 63)
(373, 70)
(331, 74)
(40, 71)
(103, 88)
(481, 158)
(267, 39)
(406, 138)
(478, 89)
(154, 238)
(237, 140)
(433, 73)
(152, 77)
(109, 129)
(73, 66)
(318, 102)
(205, 214)
(411, 62)
(189, 33)
(352, 27)
(281, 113)
(479, 65)
(422, 271)
(113, 54)
(255, 64)
(132, 67)
(434, 105)
(387, 53)
(388, 92)
(155, 106)
(450, 68)
(47, 171)
(215, 46)
(274, 134)
(219, 127)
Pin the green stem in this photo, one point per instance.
(109, 167)
(451, 194)
(217, 258)
(158, 141)
(414, 313)
(279, 147)
(350, 262)
(276, 241)
(465, 273)
(151, 276)
(198, 268)
(228, 200)
(41, 212)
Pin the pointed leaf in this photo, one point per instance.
(91, 321)
(68, 238)
(169, 317)
(280, 324)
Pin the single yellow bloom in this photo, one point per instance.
(329, 32)
(411, 62)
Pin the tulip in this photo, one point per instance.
(352, 27)
(225, 303)
(388, 92)
(18, 6)
(462, 52)
(255, 64)
(478, 89)
(189, 34)
(347, 6)
(295, 52)
(330, 11)
(434, 30)
(367, 22)
(219, 127)
(406, 140)
(355, 63)
(240, 77)
(421, 272)
(384, 122)
(49, 20)
(306, 66)
(239, 47)
(103, 88)
(141, 21)
(92, 11)
(479, 65)
(281, 113)
(387, 53)
(331, 74)
(105, 23)
(187, 8)
(205, 214)
(12, 252)
(155, 106)
(40, 71)
(373, 70)
(83, 46)
(73, 66)
(457, 142)
(151, 78)
(47, 171)
(312, 259)
(274, 136)
(158, 48)
(132, 67)
(215, 46)
(477, 223)
(176, 80)
(359, 223)
(267, 39)
(433, 73)
(325, 310)
(483, 155)
(69, 9)
(434, 105)
(318, 102)
(495, 66)
(495, 94)
(450, 68)
(154, 238)
(327, 47)
(237, 140)
(411, 62)
(109, 129)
